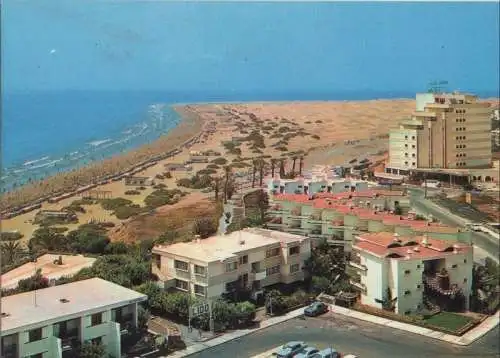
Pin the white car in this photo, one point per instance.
(350, 356)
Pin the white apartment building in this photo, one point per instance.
(408, 266)
(251, 258)
(446, 131)
(314, 185)
(52, 322)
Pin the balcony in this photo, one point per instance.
(315, 219)
(358, 285)
(357, 265)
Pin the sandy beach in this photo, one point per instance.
(320, 129)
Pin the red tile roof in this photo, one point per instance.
(385, 244)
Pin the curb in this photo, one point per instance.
(466, 339)
(199, 347)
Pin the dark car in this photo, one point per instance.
(290, 349)
(315, 309)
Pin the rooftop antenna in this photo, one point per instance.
(437, 86)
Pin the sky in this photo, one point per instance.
(236, 46)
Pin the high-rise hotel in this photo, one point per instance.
(446, 131)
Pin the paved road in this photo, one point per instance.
(484, 241)
(365, 339)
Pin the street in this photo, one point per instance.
(482, 240)
(367, 340)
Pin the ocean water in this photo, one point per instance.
(48, 132)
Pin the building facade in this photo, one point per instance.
(338, 218)
(408, 274)
(249, 259)
(314, 185)
(447, 131)
(53, 322)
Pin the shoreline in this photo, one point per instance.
(189, 129)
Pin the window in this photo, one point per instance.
(454, 266)
(413, 146)
(407, 292)
(96, 319)
(272, 270)
(465, 261)
(406, 163)
(157, 260)
(294, 250)
(406, 137)
(199, 290)
(406, 154)
(97, 340)
(35, 334)
(465, 280)
(273, 252)
(407, 312)
(413, 137)
(243, 260)
(199, 270)
(231, 266)
(181, 285)
(407, 272)
(413, 155)
(413, 163)
(418, 287)
(181, 265)
(406, 145)
(294, 268)
(418, 266)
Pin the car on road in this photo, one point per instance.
(316, 309)
(327, 353)
(307, 352)
(289, 349)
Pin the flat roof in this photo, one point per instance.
(223, 247)
(86, 295)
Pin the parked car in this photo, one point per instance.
(316, 309)
(290, 349)
(350, 356)
(327, 353)
(307, 352)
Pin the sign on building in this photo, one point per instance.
(200, 309)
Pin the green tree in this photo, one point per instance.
(92, 350)
(10, 250)
(47, 238)
(35, 282)
(88, 238)
(205, 227)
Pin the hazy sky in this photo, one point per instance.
(123, 45)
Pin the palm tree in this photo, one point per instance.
(301, 164)
(294, 158)
(262, 164)
(282, 167)
(227, 172)
(10, 251)
(254, 171)
(273, 166)
(216, 186)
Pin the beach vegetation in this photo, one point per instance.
(282, 148)
(315, 136)
(88, 238)
(11, 236)
(163, 197)
(213, 166)
(219, 161)
(319, 121)
(132, 192)
(125, 212)
(46, 239)
(83, 201)
(11, 251)
(74, 207)
(196, 182)
(112, 204)
(160, 176)
(168, 175)
(206, 171)
(159, 186)
(205, 227)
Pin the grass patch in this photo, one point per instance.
(449, 321)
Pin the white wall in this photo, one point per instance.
(422, 99)
(462, 273)
(408, 282)
(374, 280)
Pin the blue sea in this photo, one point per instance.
(49, 132)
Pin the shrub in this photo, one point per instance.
(319, 121)
(315, 136)
(213, 166)
(159, 186)
(219, 161)
(207, 171)
(163, 197)
(112, 204)
(125, 212)
(282, 148)
(168, 175)
(132, 192)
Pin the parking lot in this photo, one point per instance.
(347, 335)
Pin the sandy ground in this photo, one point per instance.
(333, 122)
(71, 265)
